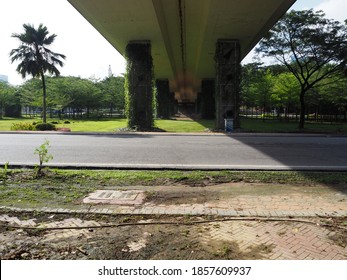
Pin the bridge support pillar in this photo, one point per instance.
(207, 99)
(173, 104)
(163, 99)
(139, 90)
(228, 72)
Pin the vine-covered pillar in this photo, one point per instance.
(207, 99)
(163, 99)
(139, 85)
(228, 75)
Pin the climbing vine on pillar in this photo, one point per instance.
(228, 73)
(139, 94)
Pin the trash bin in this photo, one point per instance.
(229, 125)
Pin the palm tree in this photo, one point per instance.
(35, 59)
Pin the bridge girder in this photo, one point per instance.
(183, 33)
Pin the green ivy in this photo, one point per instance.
(139, 68)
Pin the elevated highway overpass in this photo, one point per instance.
(193, 43)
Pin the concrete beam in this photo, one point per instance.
(183, 33)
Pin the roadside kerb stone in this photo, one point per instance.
(181, 211)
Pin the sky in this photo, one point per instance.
(89, 55)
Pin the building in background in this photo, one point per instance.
(3, 78)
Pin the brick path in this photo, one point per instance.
(295, 241)
(281, 240)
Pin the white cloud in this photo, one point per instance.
(334, 9)
(88, 53)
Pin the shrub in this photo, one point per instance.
(96, 115)
(44, 156)
(67, 122)
(23, 126)
(45, 126)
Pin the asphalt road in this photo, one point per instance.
(152, 151)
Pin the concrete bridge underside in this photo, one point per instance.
(186, 34)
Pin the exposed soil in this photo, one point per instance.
(155, 241)
(129, 242)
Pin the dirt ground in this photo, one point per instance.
(181, 237)
(126, 242)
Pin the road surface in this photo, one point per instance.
(177, 151)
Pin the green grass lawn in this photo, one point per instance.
(248, 125)
(74, 125)
(115, 124)
(275, 126)
(95, 126)
(184, 125)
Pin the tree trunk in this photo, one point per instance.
(302, 110)
(44, 105)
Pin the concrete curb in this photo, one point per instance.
(121, 210)
(234, 134)
(179, 167)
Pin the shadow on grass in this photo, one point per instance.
(300, 153)
(283, 126)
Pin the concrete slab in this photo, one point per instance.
(116, 197)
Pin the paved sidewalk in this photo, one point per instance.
(232, 199)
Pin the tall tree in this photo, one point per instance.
(287, 89)
(30, 94)
(257, 87)
(112, 90)
(312, 47)
(35, 58)
(9, 102)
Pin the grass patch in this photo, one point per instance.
(34, 195)
(276, 126)
(170, 177)
(184, 125)
(248, 125)
(112, 125)
(109, 125)
(68, 187)
(95, 126)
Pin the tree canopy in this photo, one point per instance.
(74, 95)
(313, 48)
(9, 101)
(34, 56)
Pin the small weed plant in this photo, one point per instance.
(44, 157)
(5, 172)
